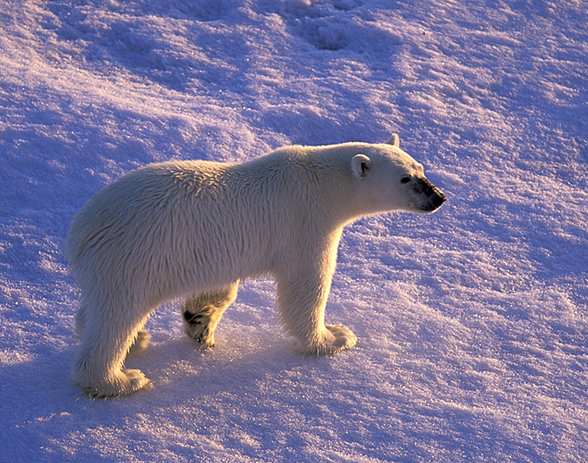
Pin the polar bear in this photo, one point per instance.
(195, 228)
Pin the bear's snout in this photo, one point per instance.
(434, 197)
(439, 199)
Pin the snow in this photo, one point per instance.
(471, 322)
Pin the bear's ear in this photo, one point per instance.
(360, 165)
(394, 140)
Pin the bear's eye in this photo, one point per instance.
(405, 180)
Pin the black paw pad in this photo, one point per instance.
(192, 319)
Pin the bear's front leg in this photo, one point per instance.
(302, 298)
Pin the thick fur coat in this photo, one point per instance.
(193, 229)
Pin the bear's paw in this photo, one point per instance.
(344, 338)
(335, 338)
(124, 383)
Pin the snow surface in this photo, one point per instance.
(471, 322)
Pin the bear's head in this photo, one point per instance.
(388, 179)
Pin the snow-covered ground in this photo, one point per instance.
(471, 322)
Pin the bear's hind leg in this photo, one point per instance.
(106, 339)
(201, 313)
(139, 345)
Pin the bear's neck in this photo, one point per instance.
(331, 167)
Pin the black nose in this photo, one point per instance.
(439, 199)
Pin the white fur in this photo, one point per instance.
(195, 227)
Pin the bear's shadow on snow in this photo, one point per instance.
(44, 380)
(178, 368)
